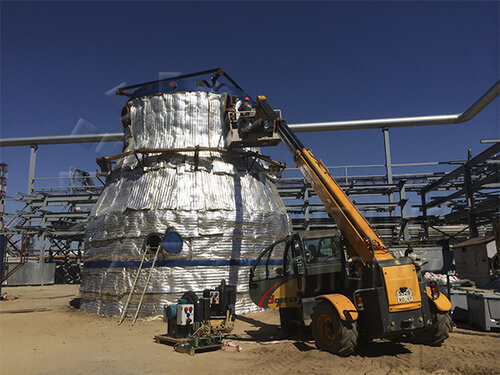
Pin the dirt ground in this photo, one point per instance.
(58, 339)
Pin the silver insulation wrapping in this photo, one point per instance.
(225, 206)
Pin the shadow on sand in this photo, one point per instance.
(381, 348)
(264, 332)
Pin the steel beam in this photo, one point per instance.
(388, 165)
(31, 177)
(490, 140)
(404, 214)
(43, 225)
(473, 187)
(483, 156)
(469, 195)
(31, 170)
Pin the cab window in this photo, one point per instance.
(321, 249)
(269, 265)
(289, 266)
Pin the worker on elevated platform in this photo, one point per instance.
(245, 106)
(244, 117)
(246, 122)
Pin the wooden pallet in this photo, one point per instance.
(165, 339)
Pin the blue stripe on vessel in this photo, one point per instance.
(178, 263)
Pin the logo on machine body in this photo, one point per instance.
(282, 300)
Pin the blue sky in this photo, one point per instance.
(317, 61)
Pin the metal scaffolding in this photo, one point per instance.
(475, 198)
(468, 195)
(51, 225)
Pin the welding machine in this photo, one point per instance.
(215, 310)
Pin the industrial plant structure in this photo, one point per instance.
(177, 171)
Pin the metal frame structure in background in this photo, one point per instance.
(475, 200)
(51, 225)
(469, 195)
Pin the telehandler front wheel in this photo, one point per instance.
(331, 333)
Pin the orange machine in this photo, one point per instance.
(347, 285)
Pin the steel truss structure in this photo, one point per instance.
(51, 225)
(475, 198)
(454, 206)
(463, 203)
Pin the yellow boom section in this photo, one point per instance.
(362, 240)
(361, 237)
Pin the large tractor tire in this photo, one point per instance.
(331, 333)
(437, 332)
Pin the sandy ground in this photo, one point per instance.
(63, 340)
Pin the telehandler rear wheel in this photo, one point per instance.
(331, 333)
(437, 332)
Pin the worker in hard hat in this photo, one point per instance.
(245, 105)
(244, 116)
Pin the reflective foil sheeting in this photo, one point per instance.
(225, 207)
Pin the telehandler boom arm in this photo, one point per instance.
(362, 241)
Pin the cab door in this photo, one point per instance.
(274, 280)
(324, 265)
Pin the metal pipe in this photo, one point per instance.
(387, 149)
(376, 165)
(473, 110)
(31, 176)
(482, 102)
(62, 139)
(388, 167)
(31, 169)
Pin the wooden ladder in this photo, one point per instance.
(124, 312)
